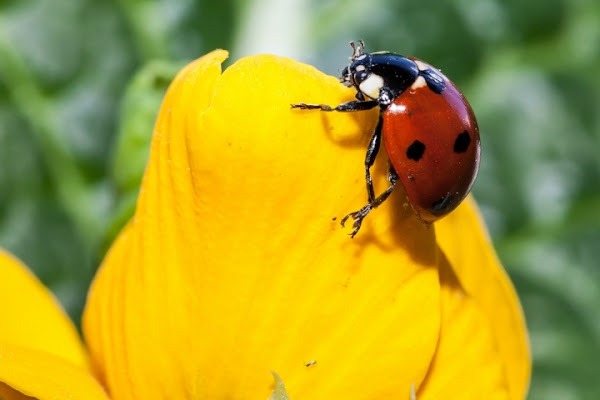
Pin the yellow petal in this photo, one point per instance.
(27, 373)
(32, 317)
(465, 242)
(467, 364)
(233, 267)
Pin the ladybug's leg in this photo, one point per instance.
(353, 105)
(393, 179)
(372, 151)
(359, 215)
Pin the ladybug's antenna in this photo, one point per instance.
(357, 51)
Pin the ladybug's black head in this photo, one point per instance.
(379, 76)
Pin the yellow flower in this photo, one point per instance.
(235, 266)
(41, 354)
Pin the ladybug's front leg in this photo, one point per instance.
(353, 105)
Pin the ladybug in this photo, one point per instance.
(427, 126)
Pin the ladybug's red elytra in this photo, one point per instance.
(428, 128)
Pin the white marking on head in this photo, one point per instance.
(418, 83)
(371, 86)
(360, 68)
(421, 65)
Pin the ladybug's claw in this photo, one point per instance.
(305, 106)
(358, 217)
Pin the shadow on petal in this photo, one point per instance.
(464, 241)
(467, 364)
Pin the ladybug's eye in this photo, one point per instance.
(360, 76)
(346, 76)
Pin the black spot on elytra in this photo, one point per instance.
(415, 150)
(461, 144)
(442, 203)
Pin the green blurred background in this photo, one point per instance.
(81, 81)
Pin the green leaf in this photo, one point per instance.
(279, 392)
(139, 109)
